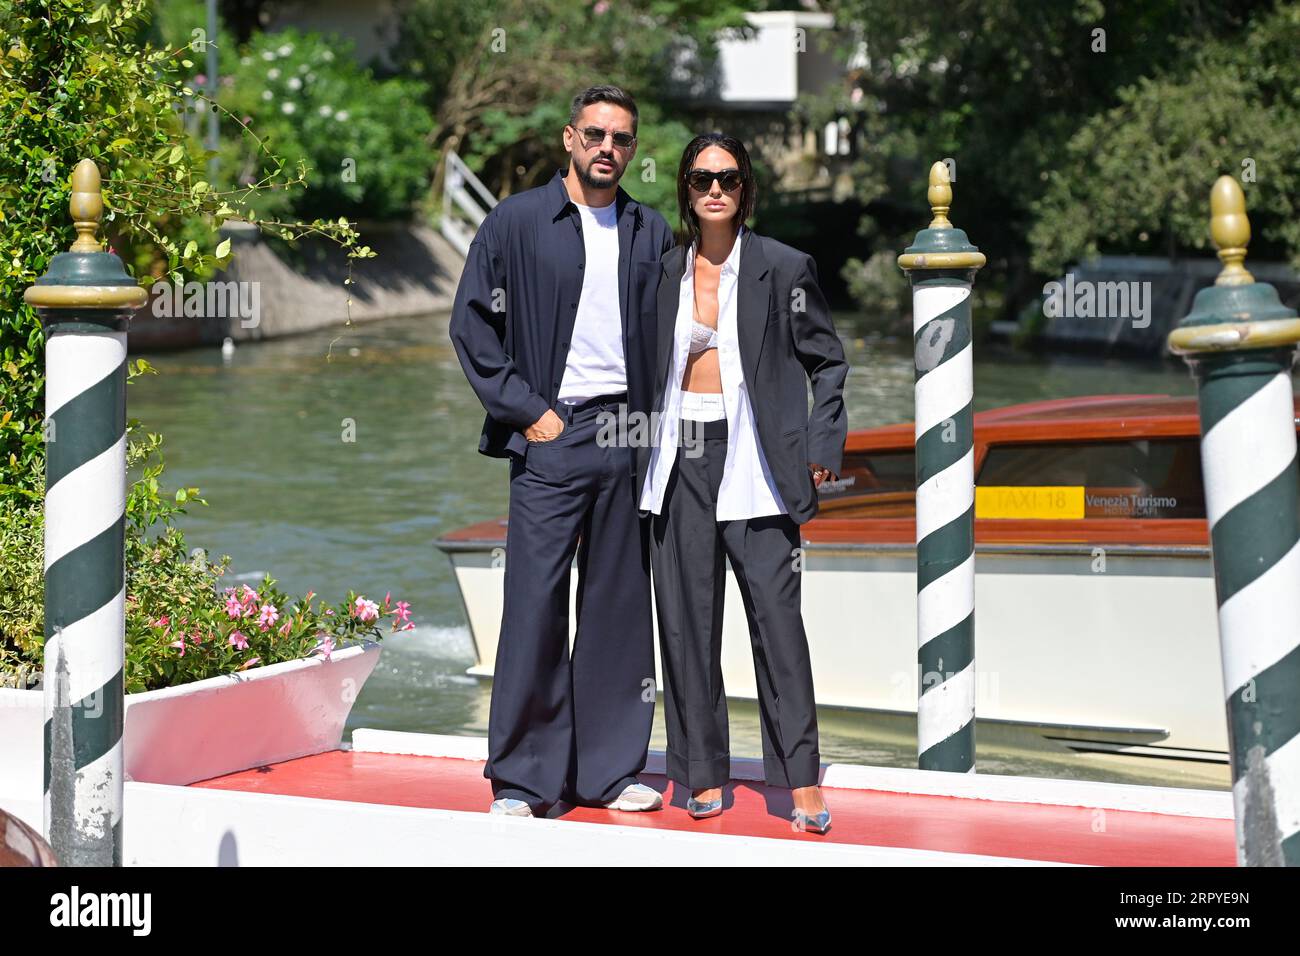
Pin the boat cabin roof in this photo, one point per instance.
(1057, 419)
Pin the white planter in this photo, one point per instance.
(177, 735)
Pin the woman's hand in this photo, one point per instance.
(821, 474)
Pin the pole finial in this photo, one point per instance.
(940, 245)
(940, 195)
(86, 206)
(86, 284)
(1230, 230)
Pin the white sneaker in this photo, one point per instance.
(511, 807)
(637, 796)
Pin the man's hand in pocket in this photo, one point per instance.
(546, 428)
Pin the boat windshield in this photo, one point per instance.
(873, 484)
(1143, 478)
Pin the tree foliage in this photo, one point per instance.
(1137, 177)
(1003, 87)
(501, 75)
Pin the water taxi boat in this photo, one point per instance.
(1095, 618)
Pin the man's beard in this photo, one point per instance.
(594, 180)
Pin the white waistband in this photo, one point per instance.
(703, 406)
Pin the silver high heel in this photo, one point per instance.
(817, 823)
(700, 809)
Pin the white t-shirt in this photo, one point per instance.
(596, 363)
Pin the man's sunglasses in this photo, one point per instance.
(701, 180)
(595, 136)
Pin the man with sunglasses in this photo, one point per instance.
(554, 323)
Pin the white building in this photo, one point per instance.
(760, 77)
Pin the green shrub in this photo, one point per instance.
(22, 589)
(367, 140)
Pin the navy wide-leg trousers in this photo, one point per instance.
(561, 727)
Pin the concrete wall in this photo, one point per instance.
(292, 290)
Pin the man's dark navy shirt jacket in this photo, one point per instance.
(518, 297)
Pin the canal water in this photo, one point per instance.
(334, 459)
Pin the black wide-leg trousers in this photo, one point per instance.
(560, 727)
(687, 550)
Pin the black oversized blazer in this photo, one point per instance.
(787, 338)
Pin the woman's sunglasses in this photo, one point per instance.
(701, 180)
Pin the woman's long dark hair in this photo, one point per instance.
(690, 229)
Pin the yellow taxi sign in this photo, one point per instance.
(1029, 501)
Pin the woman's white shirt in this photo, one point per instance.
(747, 489)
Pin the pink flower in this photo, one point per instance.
(387, 597)
(326, 644)
(179, 644)
(268, 616)
(407, 627)
(248, 663)
(233, 607)
(249, 596)
(161, 622)
(403, 611)
(284, 629)
(238, 640)
(365, 610)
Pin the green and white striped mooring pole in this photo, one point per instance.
(85, 300)
(942, 263)
(1240, 342)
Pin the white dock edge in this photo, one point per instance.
(1175, 801)
(196, 826)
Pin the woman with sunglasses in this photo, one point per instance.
(733, 471)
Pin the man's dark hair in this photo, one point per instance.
(602, 94)
(690, 231)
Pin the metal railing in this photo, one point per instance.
(465, 203)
